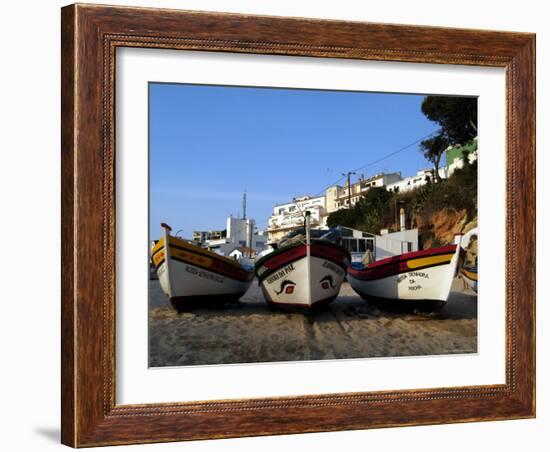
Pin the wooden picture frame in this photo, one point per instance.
(90, 36)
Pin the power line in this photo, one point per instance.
(378, 160)
(331, 185)
(391, 154)
(384, 157)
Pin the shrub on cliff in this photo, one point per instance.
(379, 209)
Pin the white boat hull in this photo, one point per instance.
(191, 281)
(431, 283)
(192, 277)
(304, 282)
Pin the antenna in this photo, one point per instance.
(244, 205)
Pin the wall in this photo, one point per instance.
(396, 243)
(30, 292)
(290, 216)
(238, 229)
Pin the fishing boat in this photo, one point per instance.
(193, 277)
(469, 275)
(425, 275)
(303, 274)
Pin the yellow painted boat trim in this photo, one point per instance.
(158, 246)
(193, 255)
(469, 274)
(430, 260)
(192, 258)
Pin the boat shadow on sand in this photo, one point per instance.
(461, 306)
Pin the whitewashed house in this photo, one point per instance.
(339, 197)
(290, 216)
(421, 178)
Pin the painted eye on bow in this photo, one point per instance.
(287, 287)
(327, 282)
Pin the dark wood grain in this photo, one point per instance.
(67, 226)
(90, 36)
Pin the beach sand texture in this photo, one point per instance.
(248, 331)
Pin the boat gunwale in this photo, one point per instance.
(394, 265)
(198, 250)
(285, 248)
(468, 273)
(363, 274)
(448, 249)
(281, 251)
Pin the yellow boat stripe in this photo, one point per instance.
(194, 249)
(469, 274)
(429, 260)
(192, 258)
(158, 246)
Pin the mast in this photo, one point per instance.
(308, 254)
(167, 256)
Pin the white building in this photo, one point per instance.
(382, 246)
(338, 197)
(203, 236)
(290, 216)
(242, 252)
(259, 240)
(240, 232)
(421, 178)
(395, 243)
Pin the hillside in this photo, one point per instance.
(438, 210)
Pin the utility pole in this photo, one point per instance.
(348, 174)
(244, 206)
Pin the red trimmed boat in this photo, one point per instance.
(302, 275)
(194, 277)
(469, 275)
(425, 275)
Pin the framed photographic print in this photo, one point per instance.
(273, 225)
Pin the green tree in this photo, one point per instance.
(457, 116)
(342, 217)
(433, 149)
(371, 213)
(373, 209)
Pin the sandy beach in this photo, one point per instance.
(248, 331)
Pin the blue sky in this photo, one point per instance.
(207, 144)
